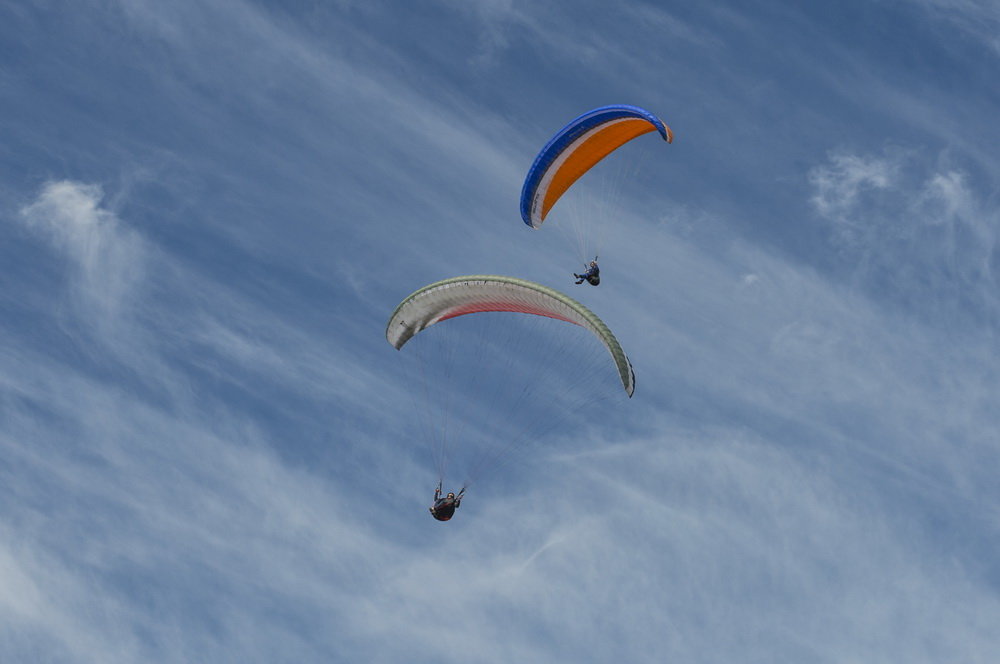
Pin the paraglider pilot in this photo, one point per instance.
(444, 508)
(592, 276)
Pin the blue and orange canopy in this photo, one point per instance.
(576, 149)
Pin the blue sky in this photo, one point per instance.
(208, 451)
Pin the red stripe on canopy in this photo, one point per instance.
(503, 305)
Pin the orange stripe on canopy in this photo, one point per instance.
(588, 151)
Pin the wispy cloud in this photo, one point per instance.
(914, 227)
(839, 185)
(979, 18)
(107, 258)
(139, 506)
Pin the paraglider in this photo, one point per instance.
(444, 508)
(571, 153)
(592, 276)
(490, 384)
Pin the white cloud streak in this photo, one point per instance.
(107, 258)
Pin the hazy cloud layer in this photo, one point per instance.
(208, 452)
